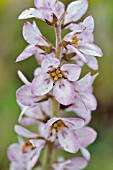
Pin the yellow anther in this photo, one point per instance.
(57, 71)
(59, 122)
(56, 78)
(53, 74)
(55, 125)
(60, 75)
(75, 40)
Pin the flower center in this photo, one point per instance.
(56, 74)
(58, 125)
(75, 40)
(27, 147)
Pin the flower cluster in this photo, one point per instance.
(56, 89)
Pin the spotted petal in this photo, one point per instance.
(24, 132)
(75, 11)
(42, 84)
(86, 136)
(25, 96)
(49, 64)
(63, 92)
(71, 71)
(91, 49)
(68, 140)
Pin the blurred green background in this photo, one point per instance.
(12, 44)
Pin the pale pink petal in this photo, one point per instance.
(12, 152)
(86, 136)
(72, 49)
(23, 78)
(27, 14)
(42, 84)
(24, 132)
(71, 71)
(89, 100)
(85, 153)
(42, 3)
(77, 164)
(32, 35)
(92, 62)
(50, 63)
(59, 9)
(44, 13)
(63, 92)
(83, 84)
(73, 123)
(28, 52)
(88, 23)
(28, 121)
(71, 164)
(68, 140)
(91, 49)
(75, 11)
(25, 97)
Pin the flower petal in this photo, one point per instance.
(32, 35)
(27, 14)
(63, 92)
(23, 78)
(88, 23)
(83, 84)
(86, 136)
(85, 153)
(73, 123)
(25, 97)
(49, 64)
(72, 49)
(71, 71)
(68, 140)
(24, 132)
(75, 11)
(91, 49)
(42, 84)
(92, 62)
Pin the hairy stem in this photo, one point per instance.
(58, 41)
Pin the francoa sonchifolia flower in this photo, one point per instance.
(52, 76)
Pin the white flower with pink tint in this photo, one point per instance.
(62, 129)
(24, 155)
(37, 43)
(50, 11)
(84, 34)
(52, 76)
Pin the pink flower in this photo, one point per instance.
(50, 11)
(83, 34)
(63, 130)
(53, 11)
(37, 43)
(71, 164)
(80, 40)
(85, 101)
(24, 155)
(52, 76)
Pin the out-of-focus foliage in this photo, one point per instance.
(12, 44)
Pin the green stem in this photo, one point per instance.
(47, 160)
(55, 108)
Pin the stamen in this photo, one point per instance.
(75, 40)
(56, 74)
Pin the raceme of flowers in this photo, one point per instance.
(56, 90)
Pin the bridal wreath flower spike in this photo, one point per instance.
(56, 89)
(52, 76)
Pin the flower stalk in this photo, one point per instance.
(55, 84)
